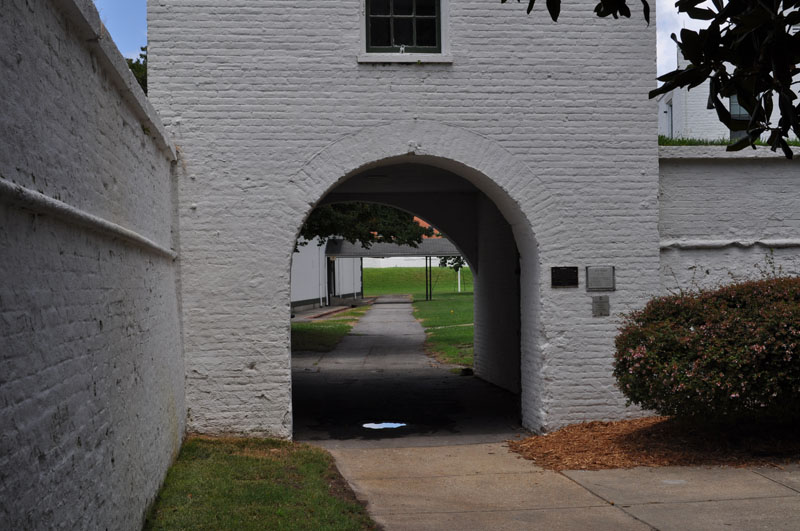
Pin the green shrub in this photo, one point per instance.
(721, 355)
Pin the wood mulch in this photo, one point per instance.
(660, 441)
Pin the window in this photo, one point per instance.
(404, 26)
(738, 113)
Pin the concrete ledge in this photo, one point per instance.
(718, 152)
(719, 244)
(23, 197)
(405, 58)
(86, 19)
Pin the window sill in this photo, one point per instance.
(408, 58)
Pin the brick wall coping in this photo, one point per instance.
(83, 14)
(718, 152)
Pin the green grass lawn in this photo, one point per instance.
(447, 319)
(411, 280)
(324, 334)
(242, 484)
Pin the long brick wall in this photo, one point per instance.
(91, 369)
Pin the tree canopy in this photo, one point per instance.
(750, 49)
(139, 68)
(366, 223)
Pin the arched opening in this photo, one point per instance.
(493, 235)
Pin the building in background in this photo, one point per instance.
(332, 273)
(684, 113)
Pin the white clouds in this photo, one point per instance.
(669, 21)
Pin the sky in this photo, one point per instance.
(126, 20)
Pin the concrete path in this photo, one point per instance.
(485, 487)
(449, 469)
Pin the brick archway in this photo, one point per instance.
(506, 182)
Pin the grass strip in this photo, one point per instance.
(323, 335)
(245, 483)
(668, 141)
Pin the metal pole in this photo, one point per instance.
(426, 278)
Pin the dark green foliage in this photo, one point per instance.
(367, 223)
(453, 262)
(725, 355)
(604, 8)
(748, 50)
(139, 68)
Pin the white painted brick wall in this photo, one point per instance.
(91, 372)
(750, 201)
(253, 90)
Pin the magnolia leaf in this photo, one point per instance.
(553, 7)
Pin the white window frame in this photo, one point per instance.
(443, 58)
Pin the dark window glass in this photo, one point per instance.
(403, 32)
(379, 34)
(379, 7)
(426, 8)
(403, 7)
(738, 113)
(426, 32)
(412, 26)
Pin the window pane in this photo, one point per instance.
(379, 32)
(426, 32)
(378, 7)
(403, 7)
(426, 7)
(737, 111)
(403, 31)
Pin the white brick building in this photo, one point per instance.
(146, 284)
(513, 138)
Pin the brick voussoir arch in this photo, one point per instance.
(522, 196)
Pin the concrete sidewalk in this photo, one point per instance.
(484, 486)
(449, 469)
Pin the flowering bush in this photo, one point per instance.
(722, 355)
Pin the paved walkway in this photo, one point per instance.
(460, 475)
(380, 373)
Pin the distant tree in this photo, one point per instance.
(366, 223)
(139, 68)
(453, 262)
(750, 49)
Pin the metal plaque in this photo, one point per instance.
(600, 278)
(600, 306)
(564, 277)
